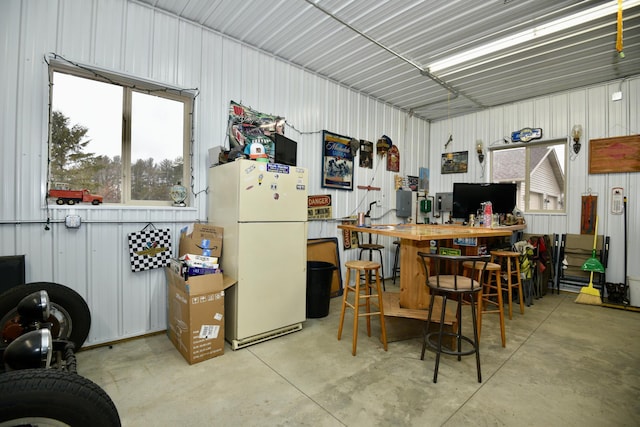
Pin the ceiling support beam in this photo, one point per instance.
(423, 71)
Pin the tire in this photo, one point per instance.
(51, 397)
(70, 315)
(60, 202)
(71, 202)
(95, 202)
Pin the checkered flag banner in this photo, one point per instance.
(149, 248)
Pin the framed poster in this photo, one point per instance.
(337, 161)
(454, 162)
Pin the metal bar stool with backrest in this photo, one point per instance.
(445, 279)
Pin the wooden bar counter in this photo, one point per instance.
(414, 238)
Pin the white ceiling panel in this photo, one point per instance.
(383, 48)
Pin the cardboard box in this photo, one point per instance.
(191, 239)
(195, 322)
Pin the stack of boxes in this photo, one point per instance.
(195, 322)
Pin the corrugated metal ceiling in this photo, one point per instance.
(384, 47)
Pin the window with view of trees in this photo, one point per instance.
(539, 171)
(121, 141)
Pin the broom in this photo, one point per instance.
(589, 294)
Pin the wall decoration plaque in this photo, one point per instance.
(393, 159)
(611, 155)
(454, 162)
(526, 134)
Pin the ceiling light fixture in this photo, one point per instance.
(580, 18)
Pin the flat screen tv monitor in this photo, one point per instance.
(467, 198)
(286, 152)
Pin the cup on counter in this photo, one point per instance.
(361, 222)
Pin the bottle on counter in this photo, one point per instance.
(488, 214)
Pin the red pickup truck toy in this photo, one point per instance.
(71, 197)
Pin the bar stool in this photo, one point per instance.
(452, 285)
(362, 297)
(510, 260)
(491, 294)
(396, 261)
(372, 247)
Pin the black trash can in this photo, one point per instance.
(319, 276)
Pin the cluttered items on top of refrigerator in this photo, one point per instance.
(257, 136)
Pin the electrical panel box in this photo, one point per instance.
(420, 208)
(403, 203)
(72, 221)
(444, 202)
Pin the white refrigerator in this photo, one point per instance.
(263, 209)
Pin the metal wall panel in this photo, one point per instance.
(138, 40)
(108, 34)
(141, 42)
(105, 288)
(188, 66)
(164, 56)
(10, 33)
(76, 23)
(37, 35)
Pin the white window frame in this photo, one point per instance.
(130, 84)
(525, 187)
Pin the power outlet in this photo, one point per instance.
(379, 203)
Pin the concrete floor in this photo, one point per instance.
(564, 364)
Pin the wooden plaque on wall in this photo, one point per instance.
(617, 154)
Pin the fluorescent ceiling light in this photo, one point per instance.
(610, 8)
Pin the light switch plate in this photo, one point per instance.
(72, 221)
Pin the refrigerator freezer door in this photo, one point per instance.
(271, 290)
(271, 192)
